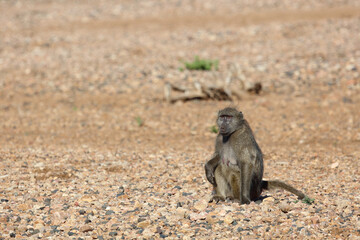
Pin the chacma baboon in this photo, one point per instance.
(236, 168)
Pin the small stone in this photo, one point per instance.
(82, 212)
(23, 207)
(86, 228)
(38, 225)
(71, 233)
(222, 213)
(334, 165)
(201, 205)
(351, 67)
(186, 194)
(4, 219)
(269, 200)
(181, 212)
(113, 234)
(115, 227)
(147, 233)
(267, 219)
(22, 228)
(342, 204)
(143, 224)
(347, 100)
(240, 229)
(198, 216)
(211, 218)
(33, 231)
(315, 220)
(47, 201)
(12, 235)
(109, 212)
(120, 194)
(228, 219)
(285, 208)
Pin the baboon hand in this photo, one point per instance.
(210, 174)
(211, 178)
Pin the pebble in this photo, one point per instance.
(109, 212)
(269, 200)
(181, 212)
(285, 208)
(201, 205)
(23, 207)
(86, 228)
(143, 224)
(334, 165)
(228, 219)
(198, 216)
(211, 218)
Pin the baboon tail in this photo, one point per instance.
(276, 184)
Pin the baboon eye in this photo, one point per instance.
(226, 117)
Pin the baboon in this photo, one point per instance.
(236, 168)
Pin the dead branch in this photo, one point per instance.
(222, 91)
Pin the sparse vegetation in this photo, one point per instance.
(139, 121)
(201, 64)
(308, 200)
(214, 129)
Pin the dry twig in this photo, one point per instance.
(221, 91)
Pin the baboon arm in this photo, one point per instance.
(210, 167)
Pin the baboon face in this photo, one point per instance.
(229, 120)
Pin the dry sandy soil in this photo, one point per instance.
(76, 77)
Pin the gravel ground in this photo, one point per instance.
(89, 149)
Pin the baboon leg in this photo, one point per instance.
(256, 188)
(246, 175)
(222, 186)
(235, 187)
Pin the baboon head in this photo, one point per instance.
(229, 120)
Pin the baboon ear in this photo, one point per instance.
(241, 114)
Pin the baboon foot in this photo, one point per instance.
(232, 200)
(245, 200)
(216, 199)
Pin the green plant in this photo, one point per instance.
(202, 64)
(139, 121)
(308, 200)
(214, 129)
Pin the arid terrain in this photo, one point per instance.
(89, 149)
